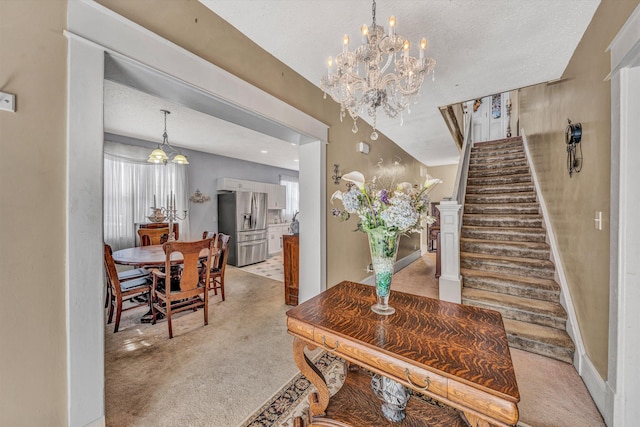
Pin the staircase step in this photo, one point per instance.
(498, 143)
(515, 187)
(519, 234)
(521, 286)
(475, 173)
(482, 220)
(498, 165)
(545, 313)
(543, 269)
(499, 179)
(532, 250)
(538, 339)
(475, 158)
(514, 148)
(524, 197)
(502, 209)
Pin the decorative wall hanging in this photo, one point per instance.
(198, 197)
(496, 106)
(573, 136)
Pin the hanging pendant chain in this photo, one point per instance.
(373, 12)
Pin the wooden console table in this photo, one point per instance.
(452, 353)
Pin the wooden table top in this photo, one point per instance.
(465, 343)
(148, 255)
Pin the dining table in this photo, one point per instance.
(152, 255)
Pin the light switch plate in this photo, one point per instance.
(7, 102)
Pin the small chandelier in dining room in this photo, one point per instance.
(159, 155)
(360, 79)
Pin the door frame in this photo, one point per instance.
(94, 30)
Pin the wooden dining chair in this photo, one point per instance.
(186, 291)
(219, 265)
(153, 236)
(209, 235)
(124, 287)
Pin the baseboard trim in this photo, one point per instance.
(399, 265)
(98, 422)
(596, 386)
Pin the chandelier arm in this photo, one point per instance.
(386, 65)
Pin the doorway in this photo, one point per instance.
(87, 45)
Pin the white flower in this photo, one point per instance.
(405, 187)
(430, 181)
(356, 177)
(336, 195)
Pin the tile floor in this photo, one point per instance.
(272, 268)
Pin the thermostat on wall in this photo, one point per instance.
(363, 147)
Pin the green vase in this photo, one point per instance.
(384, 248)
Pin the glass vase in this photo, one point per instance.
(384, 248)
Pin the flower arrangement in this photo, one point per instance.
(383, 203)
(386, 211)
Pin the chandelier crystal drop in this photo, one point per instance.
(159, 155)
(359, 79)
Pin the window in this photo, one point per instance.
(293, 194)
(131, 186)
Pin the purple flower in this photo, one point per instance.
(383, 197)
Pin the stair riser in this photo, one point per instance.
(498, 165)
(476, 154)
(500, 145)
(504, 250)
(501, 189)
(523, 316)
(504, 235)
(477, 173)
(498, 180)
(475, 159)
(543, 349)
(508, 267)
(489, 221)
(516, 289)
(506, 209)
(495, 199)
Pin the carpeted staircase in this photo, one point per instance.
(505, 260)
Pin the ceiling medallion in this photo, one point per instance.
(360, 79)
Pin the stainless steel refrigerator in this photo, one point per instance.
(243, 216)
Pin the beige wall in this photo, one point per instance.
(194, 27)
(572, 202)
(32, 211)
(447, 174)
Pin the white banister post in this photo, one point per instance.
(450, 281)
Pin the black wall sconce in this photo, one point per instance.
(573, 136)
(336, 174)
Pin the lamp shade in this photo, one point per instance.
(157, 156)
(180, 159)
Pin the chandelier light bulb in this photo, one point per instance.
(392, 25)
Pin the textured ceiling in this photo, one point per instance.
(481, 47)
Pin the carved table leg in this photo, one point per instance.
(319, 401)
(475, 421)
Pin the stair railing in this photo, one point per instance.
(450, 281)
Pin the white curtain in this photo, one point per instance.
(293, 194)
(130, 187)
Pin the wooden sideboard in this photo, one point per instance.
(290, 253)
(455, 354)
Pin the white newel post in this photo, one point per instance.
(450, 281)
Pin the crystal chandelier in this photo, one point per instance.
(159, 155)
(360, 79)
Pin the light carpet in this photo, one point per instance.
(220, 374)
